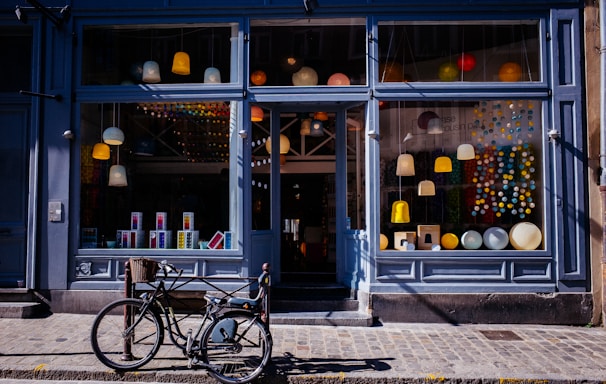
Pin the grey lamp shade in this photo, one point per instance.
(151, 72)
(465, 152)
(212, 76)
(117, 176)
(113, 136)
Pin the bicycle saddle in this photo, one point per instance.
(240, 302)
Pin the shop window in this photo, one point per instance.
(308, 52)
(154, 54)
(461, 175)
(17, 41)
(176, 190)
(464, 51)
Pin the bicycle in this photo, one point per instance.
(232, 341)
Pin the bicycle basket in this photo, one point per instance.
(224, 331)
(143, 270)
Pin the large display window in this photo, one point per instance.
(158, 175)
(461, 175)
(471, 51)
(133, 54)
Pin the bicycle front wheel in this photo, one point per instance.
(236, 347)
(124, 336)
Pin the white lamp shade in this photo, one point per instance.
(427, 188)
(471, 240)
(101, 151)
(151, 72)
(117, 176)
(405, 165)
(434, 126)
(181, 64)
(495, 238)
(113, 136)
(466, 152)
(442, 164)
(525, 236)
(212, 75)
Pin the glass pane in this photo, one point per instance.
(176, 158)
(17, 66)
(156, 54)
(433, 183)
(355, 168)
(464, 51)
(308, 52)
(261, 170)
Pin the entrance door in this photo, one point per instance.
(307, 192)
(14, 173)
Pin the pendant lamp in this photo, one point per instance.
(466, 152)
(212, 76)
(400, 212)
(117, 174)
(427, 188)
(256, 113)
(284, 147)
(305, 127)
(405, 165)
(442, 164)
(101, 150)
(434, 126)
(151, 72)
(317, 128)
(113, 135)
(181, 61)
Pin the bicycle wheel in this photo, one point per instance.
(123, 337)
(236, 347)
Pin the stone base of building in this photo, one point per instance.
(515, 308)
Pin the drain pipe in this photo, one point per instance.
(602, 16)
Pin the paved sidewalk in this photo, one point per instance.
(58, 348)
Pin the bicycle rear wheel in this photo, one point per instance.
(236, 347)
(125, 338)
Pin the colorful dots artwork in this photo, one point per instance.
(505, 164)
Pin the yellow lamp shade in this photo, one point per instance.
(525, 236)
(442, 164)
(284, 145)
(405, 165)
(510, 71)
(449, 241)
(383, 242)
(256, 113)
(466, 152)
(427, 188)
(305, 127)
(181, 64)
(338, 79)
(258, 77)
(101, 151)
(400, 212)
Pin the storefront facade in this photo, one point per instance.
(400, 150)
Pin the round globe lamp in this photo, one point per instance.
(448, 72)
(471, 240)
(525, 236)
(510, 72)
(495, 238)
(338, 79)
(466, 62)
(306, 76)
(449, 241)
(383, 242)
(258, 77)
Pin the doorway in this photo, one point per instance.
(308, 194)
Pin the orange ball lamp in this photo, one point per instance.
(258, 77)
(510, 72)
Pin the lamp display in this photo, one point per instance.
(305, 76)
(466, 62)
(117, 176)
(434, 126)
(510, 72)
(305, 127)
(525, 236)
(113, 135)
(101, 151)
(284, 144)
(405, 165)
(383, 242)
(400, 212)
(151, 72)
(495, 238)
(442, 164)
(466, 152)
(316, 128)
(471, 240)
(448, 72)
(322, 116)
(338, 79)
(449, 241)
(427, 188)
(425, 117)
(258, 77)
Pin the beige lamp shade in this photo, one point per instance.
(405, 165)
(442, 164)
(117, 176)
(113, 136)
(256, 113)
(466, 152)
(151, 72)
(427, 188)
(305, 76)
(305, 127)
(525, 236)
(284, 145)
(181, 64)
(101, 151)
(212, 75)
(434, 126)
(400, 212)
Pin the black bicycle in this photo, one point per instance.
(231, 341)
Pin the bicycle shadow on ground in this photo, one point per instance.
(288, 364)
